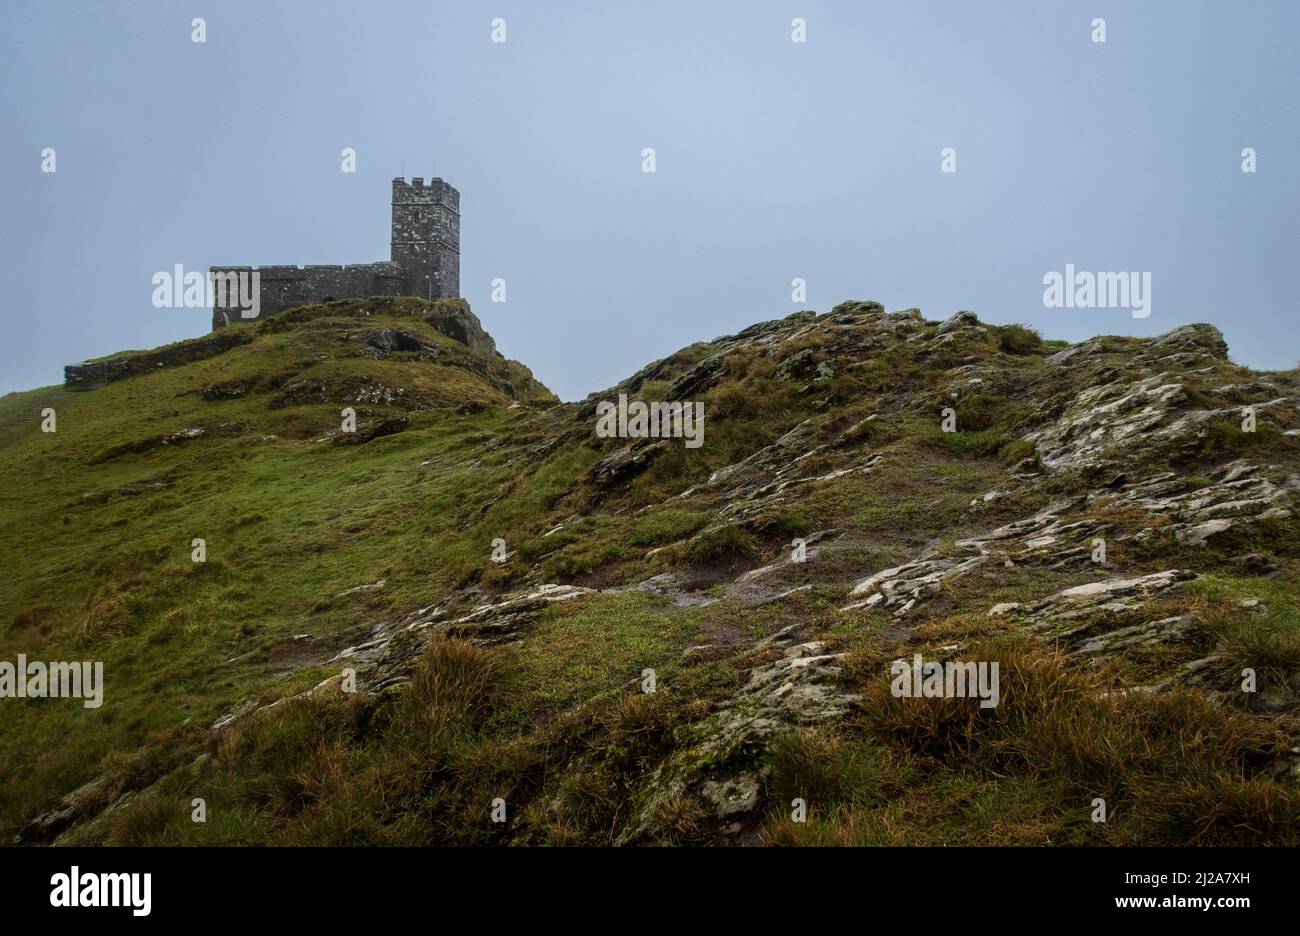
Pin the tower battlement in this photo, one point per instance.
(418, 182)
(424, 259)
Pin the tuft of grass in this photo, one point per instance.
(453, 690)
(725, 544)
(1226, 438)
(145, 820)
(1019, 339)
(679, 820)
(829, 771)
(1016, 451)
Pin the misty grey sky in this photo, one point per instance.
(775, 160)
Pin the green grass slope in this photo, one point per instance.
(222, 677)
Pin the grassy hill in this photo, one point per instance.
(336, 557)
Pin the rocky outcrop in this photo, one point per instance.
(1200, 340)
(1106, 417)
(622, 464)
(900, 588)
(384, 342)
(455, 320)
(377, 430)
(722, 764)
(84, 802)
(1074, 614)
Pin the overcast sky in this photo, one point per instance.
(774, 159)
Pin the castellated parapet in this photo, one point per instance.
(425, 260)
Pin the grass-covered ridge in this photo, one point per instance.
(819, 427)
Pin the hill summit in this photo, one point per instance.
(922, 582)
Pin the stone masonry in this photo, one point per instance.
(425, 260)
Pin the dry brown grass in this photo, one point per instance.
(1173, 768)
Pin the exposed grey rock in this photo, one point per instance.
(389, 653)
(1076, 352)
(958, 320)
(372, 586)
(801, 687)
(738, 794)
(669, 585)
(1240, 494)
(455, 320)
(1105, 417)
(1151, 633)
(505, 618)
(622, 464)
(1197, 337)
(1271, 700)
(798, 366)
(84, 801)
(386, 341)
(1252, 564)
(902, 587)
(378, 430)
(1090, 619)
(771, 582)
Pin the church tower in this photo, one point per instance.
(426, 238)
